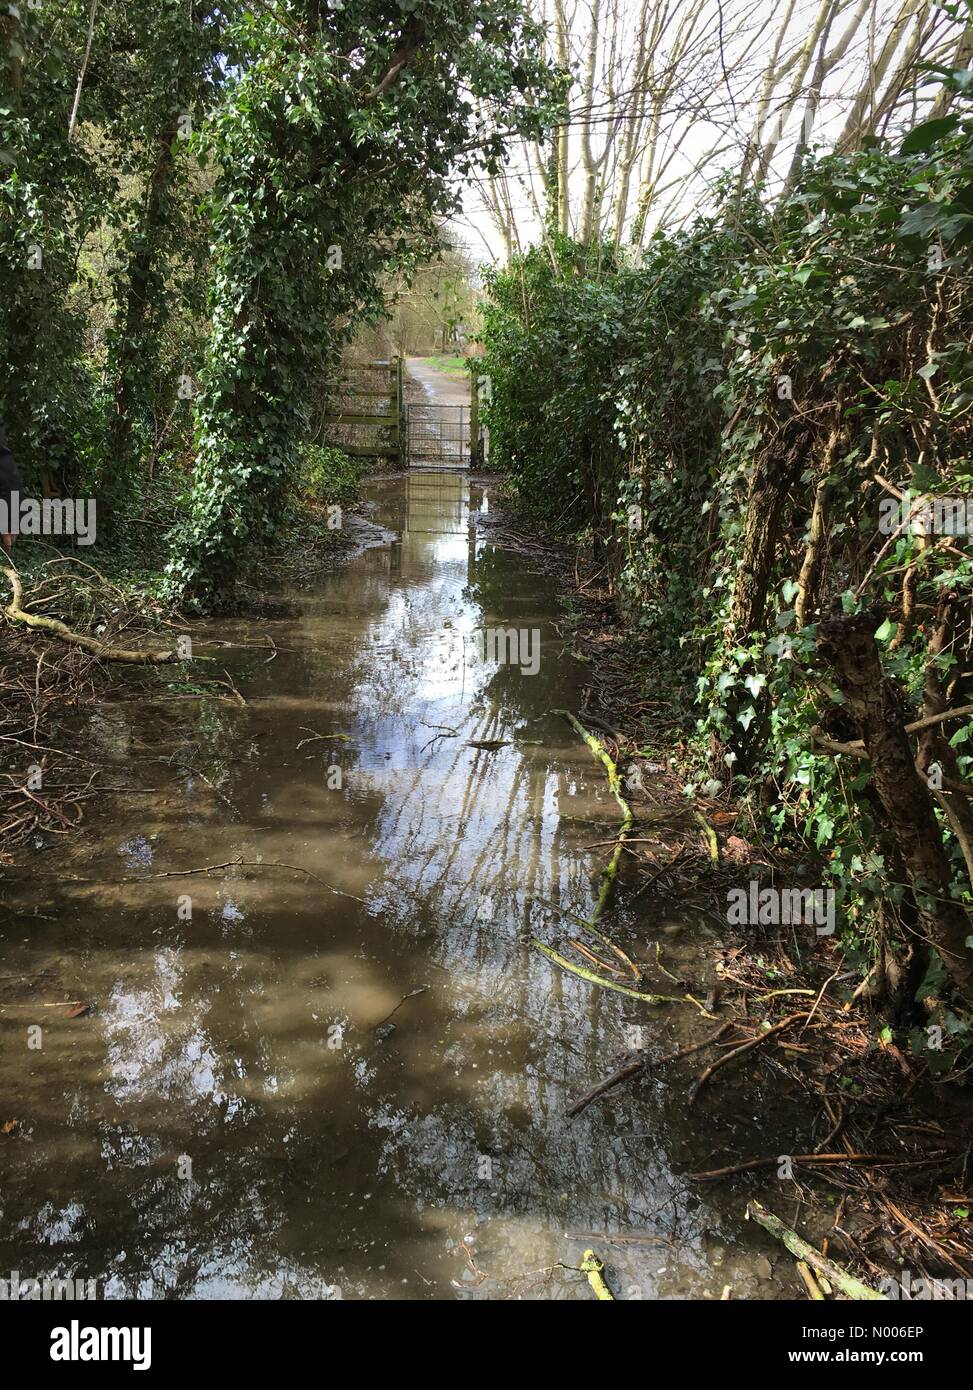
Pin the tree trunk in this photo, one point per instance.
(848, 644)
(130, 363)
(773, 477)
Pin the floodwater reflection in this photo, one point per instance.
(239, 1115)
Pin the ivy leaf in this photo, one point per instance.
(924, 136)
(934, 219)
(825, 830)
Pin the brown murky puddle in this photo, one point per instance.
(229, 1119)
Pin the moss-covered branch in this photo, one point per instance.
(17, 613)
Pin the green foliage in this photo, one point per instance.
(602, 380)
(765, 357)
(48, 391)
(329, 475)
(556, 330)
(216, 198)
(324, 184)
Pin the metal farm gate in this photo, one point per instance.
(436, 503)
(438, 435)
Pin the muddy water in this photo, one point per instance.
(238, 1115)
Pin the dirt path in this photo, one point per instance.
(442, 387)
(439, 415)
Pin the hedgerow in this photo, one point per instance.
(738, 412)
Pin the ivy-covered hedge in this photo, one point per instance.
(735, 415)
(200, 206)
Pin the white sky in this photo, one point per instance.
(714, 101)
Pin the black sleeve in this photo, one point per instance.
(9, 477)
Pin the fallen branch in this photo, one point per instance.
(590, 956)
(594, 1269)
(320, 738)
(739, 1051)
(594, 979)
(411, 995)
(617, 1077)
(711, 837)
(849, 1286)
(664, 870)
(599, 936)
(620, 1237)
(815, 1160)
(616, 950)
(640, 1064)
(16, 612)
(810, 1283)
(923, 1236)
(212, 868)
(610, 874)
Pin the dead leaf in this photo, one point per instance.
(77, 1011)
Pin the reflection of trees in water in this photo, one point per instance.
(209, 1046)
(537, 1165)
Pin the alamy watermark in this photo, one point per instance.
(49, 516)
(510, 646)
(780, 907)
(927, 516)
(77, 1343)
(925, 1290)
(16, 1288)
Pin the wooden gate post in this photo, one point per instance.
(397, 408)
(474, 414)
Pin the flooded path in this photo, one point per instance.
(238, 1114)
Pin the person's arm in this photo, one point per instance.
(9, 483)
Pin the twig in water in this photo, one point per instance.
(213, 868)
(411, 995)
(321, 738)
(610, 875)
(641, 1064)
(738, 1052)
(594, 979)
